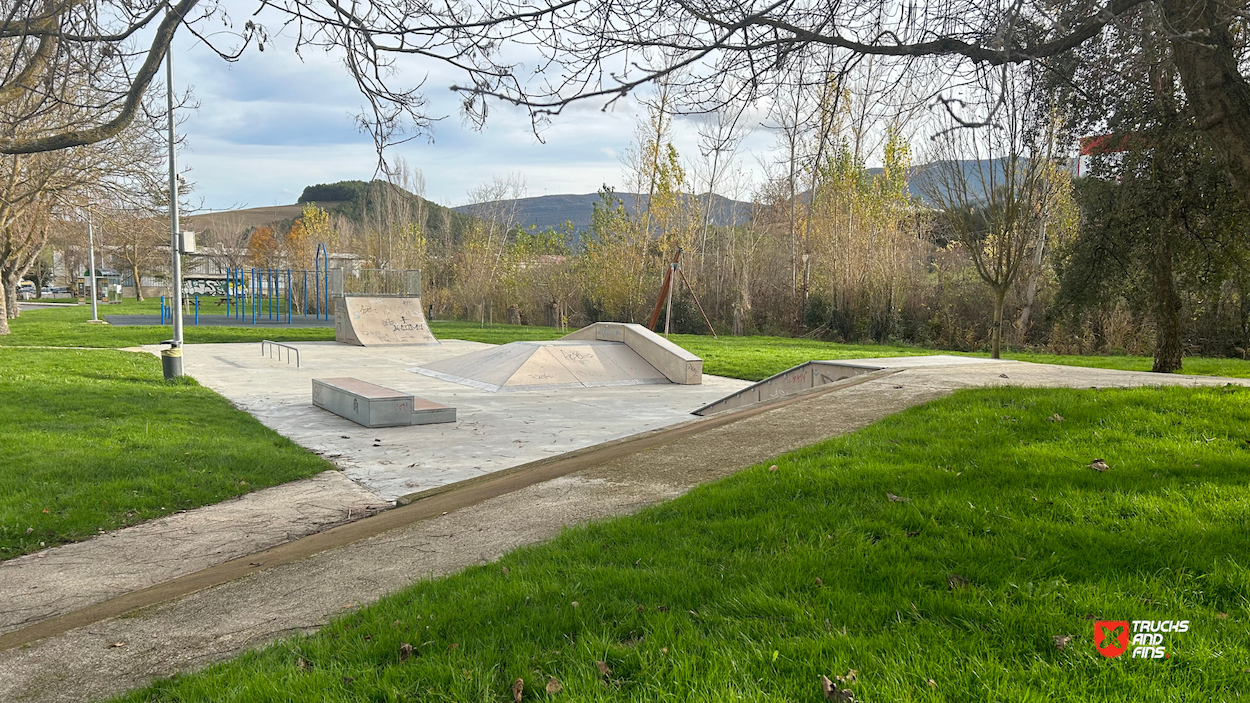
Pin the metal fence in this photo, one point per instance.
(379, 283)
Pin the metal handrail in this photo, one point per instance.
(280, 347)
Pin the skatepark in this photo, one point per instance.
(600, 423)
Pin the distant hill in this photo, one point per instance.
(240, 220)
(554, 210)
(354, 200)
(358, 200)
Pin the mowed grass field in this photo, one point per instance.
(958, 551)
(94, 440)
(751, 358)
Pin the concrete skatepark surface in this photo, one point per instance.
(215, 623)
(492, 432)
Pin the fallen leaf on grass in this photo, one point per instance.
(833, 693)
(773, 468)
(505, 571)
(897, 499)
(405, 652)
(1222, 616)
(302, 665)
(604, 670)
(45, 511)
(518, 689)
(1098, 465)
(932, 683)
(1061, 641)
(819, 582)
(575, 604)
(1055, 418)
(663, 650)
(553, 686)
(956, 581)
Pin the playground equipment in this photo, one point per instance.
(271, 295)
(374, 307)
(274, 295)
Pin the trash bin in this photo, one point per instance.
(171, 360)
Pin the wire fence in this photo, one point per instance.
(379, 283)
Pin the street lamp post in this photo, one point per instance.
(171, 359)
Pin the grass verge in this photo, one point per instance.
(751, 588)
(96, 440)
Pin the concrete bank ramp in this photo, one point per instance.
(584, 359)
(811, 375)
(367, 322)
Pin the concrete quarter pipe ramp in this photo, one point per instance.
(370, 322)
(583, 359)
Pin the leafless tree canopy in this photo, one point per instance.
(545, 54)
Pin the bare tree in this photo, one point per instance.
(710, 51)
(136, 238)
(992, 205)
(36, 188)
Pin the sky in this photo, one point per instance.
(274, 122)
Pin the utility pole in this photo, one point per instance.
(95, 317)
(172, 358)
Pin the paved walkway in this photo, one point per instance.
(481, 522)
(56, 581)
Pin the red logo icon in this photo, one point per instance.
(1111, 637)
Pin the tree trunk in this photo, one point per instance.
(1030, 291)
(1218, 93)
(134, 271)
(996, 338)
(1167, 307)
(4, 315)
(11, 288)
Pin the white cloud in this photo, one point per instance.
(275, 122)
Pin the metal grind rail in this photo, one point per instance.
(280, 346)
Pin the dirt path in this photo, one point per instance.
(300, 595)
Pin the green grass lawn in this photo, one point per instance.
(751, 358)
(96, 440)
(753, 587)
(755, 358)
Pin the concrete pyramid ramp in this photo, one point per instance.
(558, 364)
(368, 322)
(604, 354)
